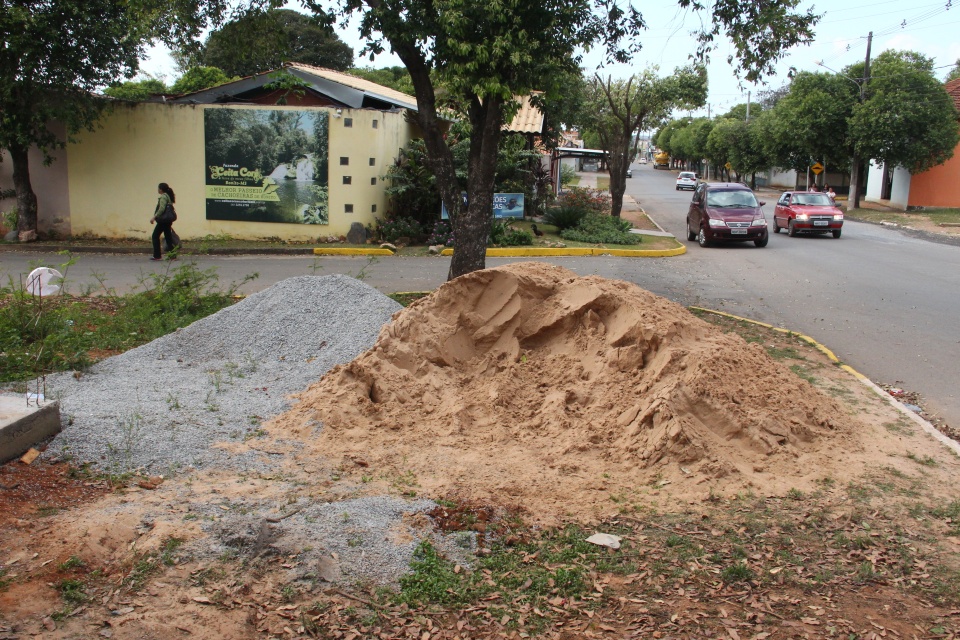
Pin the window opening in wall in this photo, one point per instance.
(373, 208)
(375, 124)
(344, 161)
(373, 162)
(348, 208)
(373, 181)
(348, 122)
(347, 180)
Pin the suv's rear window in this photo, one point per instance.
(688, 175)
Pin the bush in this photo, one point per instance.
(567, 174)
(597, 229)
(564, 217)
(584, 198)
(442, 234)
(504, 235)
(391, 229)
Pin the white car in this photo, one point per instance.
(643, 159)
(687, 180)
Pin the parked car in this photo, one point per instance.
(687, 180)
(629, 172)
(726, 212)
(801, 211)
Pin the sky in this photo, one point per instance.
(840, 39)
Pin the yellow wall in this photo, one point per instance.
(114, 171)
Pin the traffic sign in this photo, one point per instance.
(728, 166)
(817, 168)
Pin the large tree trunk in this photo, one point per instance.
(26, 198)
(472, 227)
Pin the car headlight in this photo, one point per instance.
(717, 223)
(801, 216)
(759, 222)
(838, 216)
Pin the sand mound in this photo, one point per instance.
(561, 392)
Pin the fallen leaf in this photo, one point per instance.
(203, 600)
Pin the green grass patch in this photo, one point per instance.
(42, 335)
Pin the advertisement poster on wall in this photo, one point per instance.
(505, 205)
(267, 165)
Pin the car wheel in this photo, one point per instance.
(691, 235)
(678, 188)
(702, 239)
(836, 233)
(762, 242)
(776, 227)
(791, 230)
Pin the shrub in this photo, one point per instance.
(597, 229)
(564, 217)
(585, 198)
(567, 174)
(391, 229)
(504, 235)
(442, 234)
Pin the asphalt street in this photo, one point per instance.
(884, 302)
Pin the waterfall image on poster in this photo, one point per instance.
(267, 165)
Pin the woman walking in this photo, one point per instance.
(162, 220)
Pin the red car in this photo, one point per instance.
(801, 211)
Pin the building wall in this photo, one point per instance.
(900, 190)
(113, 172)
(938, 187)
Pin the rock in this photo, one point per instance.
(11, 236)
(605, 540)
(436, 249)
(328, 569)
(387, 245)
(403, 242)
(357, 234)
(27, 236)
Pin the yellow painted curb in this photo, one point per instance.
(351, 252)
(579, 251)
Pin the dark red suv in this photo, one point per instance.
(726, 212)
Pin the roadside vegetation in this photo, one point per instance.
(930, 215)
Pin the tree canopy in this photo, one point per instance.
(908, 119)
(198, 79)
(953, 74)
(259, 41)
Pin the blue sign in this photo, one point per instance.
(505, 205)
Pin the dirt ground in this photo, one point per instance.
(760, 491)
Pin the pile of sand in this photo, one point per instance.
(527, 384)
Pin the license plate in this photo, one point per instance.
(738, 232)
(821, 223)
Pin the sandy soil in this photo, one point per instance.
(571, 399)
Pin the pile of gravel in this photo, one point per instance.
(158, 408)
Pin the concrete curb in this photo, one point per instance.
(352, 252)
(579, 251)
(923, 424)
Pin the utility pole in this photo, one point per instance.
(748, 106)
(855, 180)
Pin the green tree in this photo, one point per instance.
(908, 119)
(394, 77)
(198, 79)
(620, 109)
(136, 91)
(260, 41)
(954, 73)
(812, 121)
(484, 55)
(57, 53)
(721, 142)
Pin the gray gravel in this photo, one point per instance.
(158, 408)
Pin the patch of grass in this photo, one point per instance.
(72, 591)
(926, 460)
(73, 562)
(738, 572)
(42, 334)
(407, 298)
(803, 372)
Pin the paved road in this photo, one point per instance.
(886, 303)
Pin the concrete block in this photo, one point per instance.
(22, 426)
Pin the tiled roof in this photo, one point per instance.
(529, 119)
(371, 88)
(953, 88)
